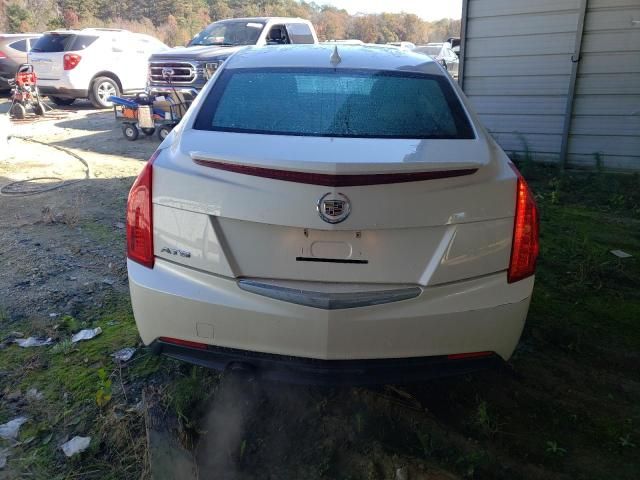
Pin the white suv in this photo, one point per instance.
(335, 213)
(93, 63)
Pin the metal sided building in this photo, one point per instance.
(559, 79)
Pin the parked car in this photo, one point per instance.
(346, 41)
(334, 213)
(93, 63)
(407, 45)
(188, 69)
(13, 53)
(443, 54)
(455, 44)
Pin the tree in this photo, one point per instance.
(18, 18)
(70, 18)
(331, 23)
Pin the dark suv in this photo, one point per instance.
(187, 69)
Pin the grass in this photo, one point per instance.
(567, 406)
(84, 393)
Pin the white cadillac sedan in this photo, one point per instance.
(332, 215)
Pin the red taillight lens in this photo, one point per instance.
(2, 55)
(184, 343)
(525, 246)
(460, 356)
(71, 60)
(139, 217)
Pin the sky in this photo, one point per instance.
(426, 9)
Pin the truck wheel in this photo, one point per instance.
(18, 110)
(163, 132)
(101, 89)
(62, 102)
(130, 132)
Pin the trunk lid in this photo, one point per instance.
(245, 205)
(49, 65)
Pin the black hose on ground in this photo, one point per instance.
(22, 188)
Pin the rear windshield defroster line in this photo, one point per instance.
(328, 102)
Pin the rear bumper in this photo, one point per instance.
(482, 314)
(328, 372)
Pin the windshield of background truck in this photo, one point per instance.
(229, 34)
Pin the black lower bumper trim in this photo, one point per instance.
(328, 372)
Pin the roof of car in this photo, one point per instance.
(18, 35)
(381, 57)
(94, 31)
(263, 19)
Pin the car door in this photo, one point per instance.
(129, 60)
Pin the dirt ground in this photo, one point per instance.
(57, 254)
(567, 406)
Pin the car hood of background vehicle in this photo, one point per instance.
(195, 53)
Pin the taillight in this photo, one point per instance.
(139, 217)
(525, 245)
(2, 55)
(184, 343)
(71, 60)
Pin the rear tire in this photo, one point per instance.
(130, 132)
(62, 102)
(18, 111)
(101, 89)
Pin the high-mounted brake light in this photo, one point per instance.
(525, 245)
(71, 60)
(140, 217)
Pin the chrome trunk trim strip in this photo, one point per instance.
(328, 300)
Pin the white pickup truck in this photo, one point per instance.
(187, 69)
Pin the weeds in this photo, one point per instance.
(552, 448)
(486, 423)
(64, 347)
(597, 156)
(625, 441)
(103, 395)
(359, 418)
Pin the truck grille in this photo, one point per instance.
(183, 72)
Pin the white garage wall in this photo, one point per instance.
(517, 68)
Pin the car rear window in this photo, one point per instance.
(300, 33)
(63, 43)
(334, 103)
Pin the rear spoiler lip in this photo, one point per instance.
(330, 179)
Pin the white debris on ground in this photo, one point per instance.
(34, 394)
(4, 454)
(123, 355)
(86, 334)
(76, 445)
(621, 254)
(33, 342)
(9, 430)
